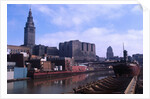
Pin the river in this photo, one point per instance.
(54, 86)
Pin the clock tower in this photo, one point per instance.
(29, 31)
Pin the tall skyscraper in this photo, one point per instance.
(109, 53)
(29, 31)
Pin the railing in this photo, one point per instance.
(131, 87)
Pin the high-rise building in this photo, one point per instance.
(29, 31)
(80, 51)
(109, 53)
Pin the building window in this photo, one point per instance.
(82, 47)
(87, 47)
(91, 47)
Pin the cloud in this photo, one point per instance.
(137, 8)
(73, 15)
(44, 9)
(102, 37)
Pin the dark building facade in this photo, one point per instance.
(19, 59)
(109, 53)
(41, 50)
(53, 51)
(139, 58)
(29, 31)
(80, 51)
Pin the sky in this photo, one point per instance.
(103, 24)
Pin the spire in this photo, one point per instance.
(30, 19)
(30, 13)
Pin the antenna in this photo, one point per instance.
(123, 50)
(123, 46)
(30, 6)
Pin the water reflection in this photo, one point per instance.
(53, 86)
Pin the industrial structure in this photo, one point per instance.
(80, 51)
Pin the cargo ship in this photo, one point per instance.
(126, 68)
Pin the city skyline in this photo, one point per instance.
(100, 24)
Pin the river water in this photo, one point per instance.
(54, 86)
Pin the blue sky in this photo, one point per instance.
(102, 24)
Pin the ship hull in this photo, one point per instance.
(128, 70)
(58, 74)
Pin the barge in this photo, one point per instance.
(108, 85)
(53, 74)
(126, 68)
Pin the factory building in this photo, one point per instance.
(80, 51)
